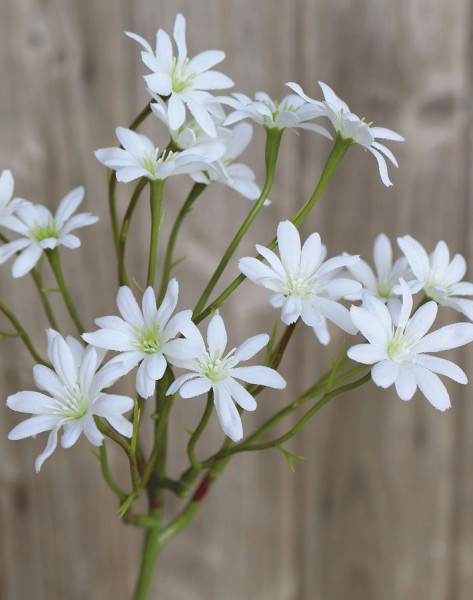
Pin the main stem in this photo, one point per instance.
(273, 140)
(156, 197)
(338, 152)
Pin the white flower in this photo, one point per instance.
(145, 335)
(75, 396)
(399, 354)
(43, 231)
(238, 176)
(439, 276)
(383, 283)
(190, 134)
(185, 81)
(8, 204)
(211, 370)
(140, 158)
(304, 285)
(350, 127)
(292, 112)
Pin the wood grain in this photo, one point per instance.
(381, 509)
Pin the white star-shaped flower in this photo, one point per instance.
(8, 204)
(290, 113)
(145, 335)
(304, 284)
(184, 81)
(440, 277)
(212, 370)
(400, 354)
(140, 158)
(237, 176)
(350, 127)
(383, 282)
(75, 397)
(43, 231)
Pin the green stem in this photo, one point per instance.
(53, 256)
(22, 333)
(199, 430)
(156, 197)
(141, 117)
(151, 548)
(273, 140)
(246, 447)
(195, 192)
(38, 281)
(108, 476)
(338, 152)
(135, 477)
(122, 238)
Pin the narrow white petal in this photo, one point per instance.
(144, 384)
(202, 117)
(442, 367)
(205, 60)
(129, 309)
(155, 366)
(72, 431)
(111, 339)
(91, 431)
(169, 303)
(383, 169)
(385, 373)
(27, 260)
(416, 257)
(227, 413)
(367, 354)
(421, 321)
(251, 346)
(176, 111)
(433, 389)
(69, 205)
(336, 313)
(259, 375)
(149, 307)
(46, 453)
(195, 387)
(240, 395)
(177, 383)
(405, 383)
(216, 335)
(370, 326)
(445, 338)
(122, 425)
(8, 250)
(33, 426)
(382, 254)
(180, 36)
(113, 405)
(406, 304)
(289, 243)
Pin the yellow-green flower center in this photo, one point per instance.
(148, 341)
(180, 77)
(43, 231)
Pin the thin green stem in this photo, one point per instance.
(195, 192)
(141, 117)
(107, 474)
(22, 334)
(36, 275)
(246, 447)
(53, 256)
(338, 152)
(199, 430)
(273, 140)
(135, 477)
(122, 238)
(156, 197)
(149, 554)
(38, 281)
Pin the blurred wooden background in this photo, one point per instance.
(382, 507)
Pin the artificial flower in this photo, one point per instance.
(304, 284)
(43, 231)
(74, 397)
(350, 127)
(212, 370)
(440, 277)
(238, 176)
(400, 354)
(383, 282)
(145, 335)
(140, 158)
(183, 81)
(292, 112)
